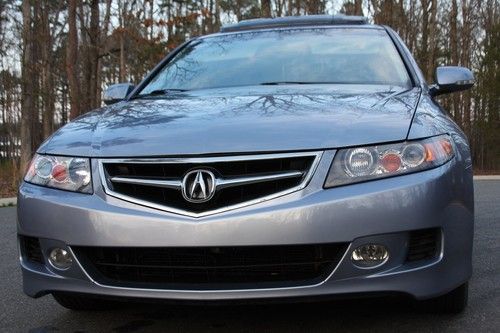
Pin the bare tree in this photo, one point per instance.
(72, 61)
(46, 72)
(266, 8)
(93, 54)
(27, 109)
(72, 48)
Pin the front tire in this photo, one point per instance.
(453, 302)
(78, 302)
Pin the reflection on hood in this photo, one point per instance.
(240, 120)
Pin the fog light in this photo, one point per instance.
(60, 258)
(370, 255)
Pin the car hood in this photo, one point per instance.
(261, 119)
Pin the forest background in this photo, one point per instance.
(58, 56)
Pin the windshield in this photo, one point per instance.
(301, 56)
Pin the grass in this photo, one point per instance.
(8, 179)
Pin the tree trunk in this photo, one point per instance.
(454, 51)
(122, 57)
(266, 8)
(94, 54)
(103, 35)
(432, 53)
(47, 81)
(289, 8)
(71, 61)
(27, 86)
(217, 14)
(123, 13)
(36, 125)
(298, 6)
(83, 47)
(424, 47)
(358, 9)
(151, 17)
(314, 6)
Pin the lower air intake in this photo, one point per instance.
(191, 268)
(424, 244)
(30, 249)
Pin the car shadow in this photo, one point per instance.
(337, 315)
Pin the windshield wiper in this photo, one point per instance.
(285, 82)
(159, 92)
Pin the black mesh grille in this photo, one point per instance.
(211, 267)
(30, 249)
(224, 197)
(423, 244)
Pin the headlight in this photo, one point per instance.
(65, 173)
(368, 163)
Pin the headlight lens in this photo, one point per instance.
(367, 163)
(65, 173)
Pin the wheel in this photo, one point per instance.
(453, 302)
(79, 302)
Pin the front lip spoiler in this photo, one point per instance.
(102, 173)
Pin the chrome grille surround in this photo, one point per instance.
(200, 161)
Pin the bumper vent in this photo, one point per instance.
(30, 249)
(239, 180)
(424, 244)
(200, 268)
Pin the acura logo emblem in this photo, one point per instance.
(198, 186)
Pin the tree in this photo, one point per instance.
(72, 61)
(352, 8)
(47, 60)
(27, 109)
(266, 8)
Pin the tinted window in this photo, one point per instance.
(320, 55)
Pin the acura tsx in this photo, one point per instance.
(279, 159)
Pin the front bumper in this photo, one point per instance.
(381, 211)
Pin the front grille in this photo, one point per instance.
(148, 174)
(195, 268)
(30, 249)
(424, 244)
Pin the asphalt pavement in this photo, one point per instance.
(19, 313)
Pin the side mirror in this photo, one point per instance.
(117, 92)
(450, 79)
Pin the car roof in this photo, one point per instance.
(296, 21)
